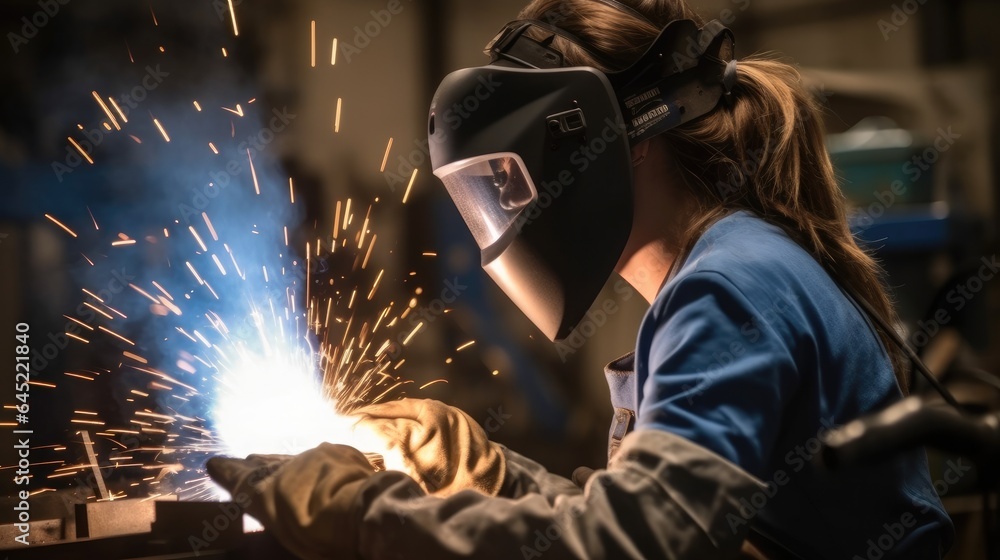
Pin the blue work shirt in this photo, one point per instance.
(752, 351)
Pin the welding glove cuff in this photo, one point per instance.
(443, 448)
(308, 502)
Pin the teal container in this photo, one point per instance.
(866, 175)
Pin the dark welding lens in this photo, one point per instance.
(515, 193)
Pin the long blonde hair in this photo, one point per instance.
(762, 150)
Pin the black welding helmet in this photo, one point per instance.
(536, 155)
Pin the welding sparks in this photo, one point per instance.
(135, 357)
(336, 121)
(253, 172)
(102, 313)
(385, 158)
(218, 263)
(312, 35)
(118, 109)
(368, 255)
(261, 349)
(79, 322)
(60, 224)
(91, 294)
(197, 238)
(144, 293)
(375, 285)
(211, 228)
(162, 131)
(116, 335)
(232, 14)
(106, 110)
(412, 333)
(410, 186)
(85, 155)
(253, 387)
(93, 219)
(195, 273)
(426, 385)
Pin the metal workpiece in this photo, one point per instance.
(138, 529)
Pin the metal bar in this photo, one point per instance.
(89, 445)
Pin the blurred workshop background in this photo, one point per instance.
(910, 88)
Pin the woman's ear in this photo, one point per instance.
(639, 153)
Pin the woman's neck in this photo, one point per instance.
(663, 214)
(647, 267)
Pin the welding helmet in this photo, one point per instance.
(536, 155)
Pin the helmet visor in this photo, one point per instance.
(490, 191)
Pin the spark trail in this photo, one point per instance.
(232, 337)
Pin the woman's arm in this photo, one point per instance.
(661, 497)
(718, 367)
(525, 476)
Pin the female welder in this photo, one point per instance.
(622, 136)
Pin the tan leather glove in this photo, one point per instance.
(443, 449)
(306, 501)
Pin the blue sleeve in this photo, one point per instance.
(718, 372)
